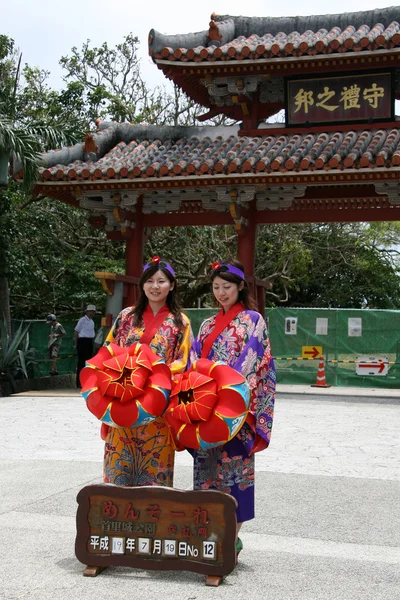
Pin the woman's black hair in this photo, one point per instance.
(245, 295)
(172, 300)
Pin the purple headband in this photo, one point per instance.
(157, 262)
(224, 268)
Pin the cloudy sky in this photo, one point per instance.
(45, 30)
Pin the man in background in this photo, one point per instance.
(57, 331)
(83, 339)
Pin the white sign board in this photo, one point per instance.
(321, 326)
(372, 365)
(291, 325)
(355, 327)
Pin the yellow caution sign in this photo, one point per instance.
(311, 351)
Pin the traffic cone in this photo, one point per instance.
(321, 379)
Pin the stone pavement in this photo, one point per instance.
(327, 494)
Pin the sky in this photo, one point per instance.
(44, 30)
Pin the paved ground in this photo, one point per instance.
(327, 523)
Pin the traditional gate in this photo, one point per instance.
(336, 158)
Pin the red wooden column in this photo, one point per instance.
(247, 242)
(134, 253)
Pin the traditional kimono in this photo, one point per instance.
(145, 455)
(239, 338)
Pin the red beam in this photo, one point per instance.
(247, 241)
(298, 129)
(348, 215)
(187, 219)
(134, 253)
(307, 215)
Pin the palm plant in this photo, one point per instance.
(15, 354)
(16, 141)
(18, 144)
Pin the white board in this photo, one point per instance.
(372, 365)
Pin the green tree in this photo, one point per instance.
(341, 265)
(58, 275)
(106, 83)
(22, 139)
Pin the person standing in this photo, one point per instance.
(238, 336)
(57, 331)
(83, 339)
(145, 455)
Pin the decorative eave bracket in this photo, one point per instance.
(276, 198)
(113, 208)
(391, 189)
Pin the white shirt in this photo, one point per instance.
(85, 327)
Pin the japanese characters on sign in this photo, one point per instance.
(340, 99)
(156, 527)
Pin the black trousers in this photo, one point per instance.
(84, 349)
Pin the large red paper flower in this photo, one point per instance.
(208, 405)
(126, 387)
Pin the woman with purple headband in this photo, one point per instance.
(238, 336)
(145, 455)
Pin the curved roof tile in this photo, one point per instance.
(244, 38)
(215, 151)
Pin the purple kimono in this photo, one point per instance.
(244, 345)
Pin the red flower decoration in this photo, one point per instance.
(155, 260)
(216, 266)
(126, 387)
(208, 405)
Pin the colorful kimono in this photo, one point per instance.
(244, 345)
(145, 455)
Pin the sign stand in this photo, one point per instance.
(156, 528)
(93, 571)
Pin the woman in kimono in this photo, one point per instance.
(144, 455)
(238, 336)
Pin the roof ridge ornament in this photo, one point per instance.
(214, 34)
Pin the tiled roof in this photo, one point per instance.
(133, 152)
(293, 44)
(240, 38)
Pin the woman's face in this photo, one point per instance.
(226, 292)
(157, 287)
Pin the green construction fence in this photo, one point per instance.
(344, 336)
(353, 342)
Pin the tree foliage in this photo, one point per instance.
(31, 118)
(53, 255)
(192, 250)
(106, 83)
(23, 136)
(348, 265)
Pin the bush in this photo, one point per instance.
(15, 355)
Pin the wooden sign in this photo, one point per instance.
(340, 99)
(155, 527)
